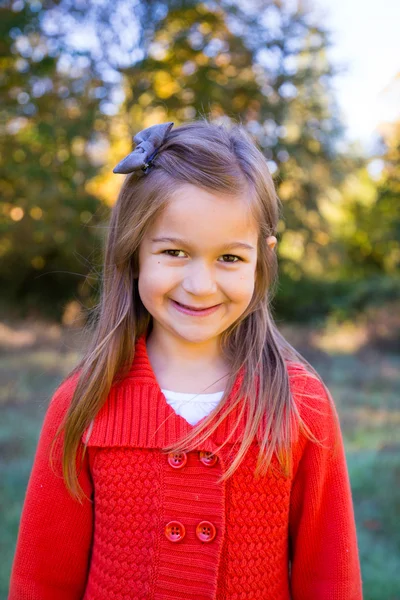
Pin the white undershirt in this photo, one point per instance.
(192, 407)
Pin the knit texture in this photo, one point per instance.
(276, 538)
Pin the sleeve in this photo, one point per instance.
(54, 539)
(322, 533)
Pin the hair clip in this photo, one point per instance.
(148, 144)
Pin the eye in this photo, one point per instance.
(166, 252)
(232, 256)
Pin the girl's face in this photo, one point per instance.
(208, 261)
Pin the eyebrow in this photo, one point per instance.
(180, 242)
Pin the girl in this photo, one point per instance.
(194, 453)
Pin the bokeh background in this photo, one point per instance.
(80, 77)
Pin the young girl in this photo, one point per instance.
(192, 453)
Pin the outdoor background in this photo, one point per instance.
(79, 77)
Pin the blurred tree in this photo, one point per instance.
(369, 228)
(375, 245)
(50, 128)
(386, 213)
(81, 77)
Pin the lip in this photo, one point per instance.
(196, 313)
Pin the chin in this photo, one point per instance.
(197, 337)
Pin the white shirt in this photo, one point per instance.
(192, 407)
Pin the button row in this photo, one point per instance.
(177, 460)
(175, 531)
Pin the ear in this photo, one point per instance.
(272, 241)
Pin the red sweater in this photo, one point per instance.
(160, 527)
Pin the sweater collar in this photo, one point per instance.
(136, 412)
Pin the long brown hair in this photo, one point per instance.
(222, 159)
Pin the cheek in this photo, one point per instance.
(241, 288)
(154, 281)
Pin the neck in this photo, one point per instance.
(191, 367)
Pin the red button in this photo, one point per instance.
(208, 458)
(206, 531)
(175, 531)
(177, 459)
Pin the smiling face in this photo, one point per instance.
(202, 266)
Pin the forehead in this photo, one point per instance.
(199, 215)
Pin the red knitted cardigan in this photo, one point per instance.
(161, 527)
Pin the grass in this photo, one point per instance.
(364, 384)
(365, 387)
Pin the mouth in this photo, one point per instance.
(192, 310)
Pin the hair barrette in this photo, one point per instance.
(148, 144)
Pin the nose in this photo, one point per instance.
(199, 279)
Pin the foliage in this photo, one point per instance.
(78, 80)
(51, 120)
(373, 238)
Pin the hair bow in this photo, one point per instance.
(148, 143)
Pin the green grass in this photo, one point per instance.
(365, 388)
(375, 479)
(27, 380)
(366, 392)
